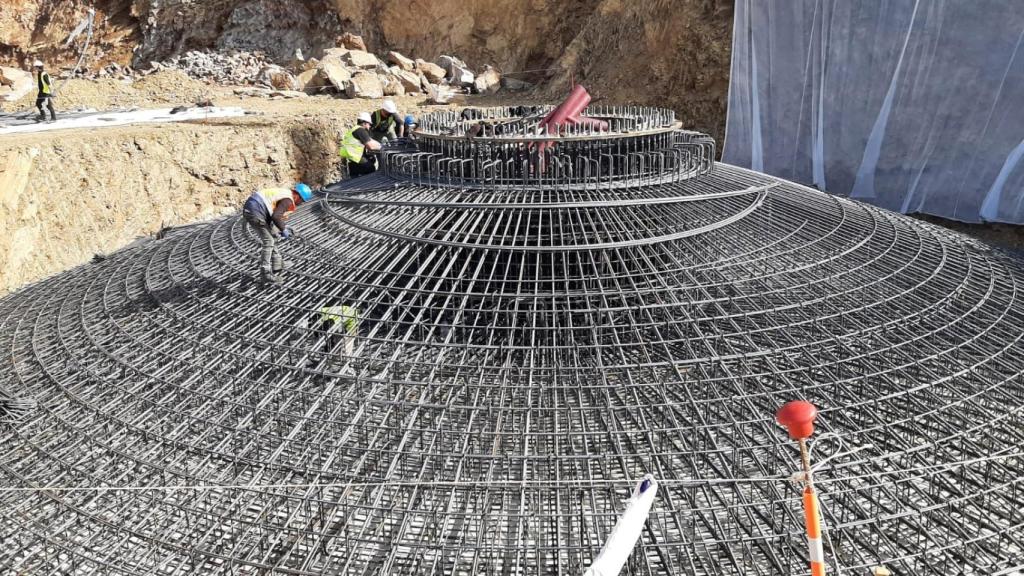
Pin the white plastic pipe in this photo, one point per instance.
(627, 530)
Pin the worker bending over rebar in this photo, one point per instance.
(267, 209)
(357, 146)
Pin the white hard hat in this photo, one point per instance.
(364, 117)
(389, 106)
(37, 64)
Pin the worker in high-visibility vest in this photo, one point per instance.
(44, 98)
(385, 123)
(341, 323)
(355, 145)
(267, 209)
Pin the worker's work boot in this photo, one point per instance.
(53, 116)
(40, 118)
(282, 266)
(271, 278)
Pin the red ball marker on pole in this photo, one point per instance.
(798, 418)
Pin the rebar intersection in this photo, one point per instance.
(540, 325)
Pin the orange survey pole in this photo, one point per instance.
(798, 418)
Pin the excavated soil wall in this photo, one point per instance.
(71, 196)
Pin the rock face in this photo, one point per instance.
(365, 85)
(275, 27)
(514, 85)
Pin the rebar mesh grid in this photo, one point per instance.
(523, 355)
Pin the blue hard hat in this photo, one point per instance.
(305, 192)
(410, 119)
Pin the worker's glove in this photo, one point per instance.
(286, 233)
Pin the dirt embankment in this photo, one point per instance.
(68, 195)
(32, 29)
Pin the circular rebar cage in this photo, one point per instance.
(510, 352)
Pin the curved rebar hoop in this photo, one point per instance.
(474, 354)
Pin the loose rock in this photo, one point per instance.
(350, 41)
(488, 81)
(401, 61)
(410, 80)
(438, 94)
(335, 73)
(365, 85)
(361, 59)
(16, 84)
(221, 67)
(456, 71)
(310, 81)
(433, 72)
(392, 86)
(277, 77)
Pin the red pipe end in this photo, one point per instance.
(798, 418)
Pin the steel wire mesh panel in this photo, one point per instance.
(524, 353)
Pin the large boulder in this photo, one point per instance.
(488, 81)
(392, 86)
(433, 72)
(365, 85)
(439, 94)
(456, 71)
(402, 62)
(15, 84)
(410, 80)
(350, 41)
(310, 81)
(334, 73)
(361, 59)
(277, 77)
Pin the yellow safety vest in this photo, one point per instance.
(381, 124)
(44, 84)
(272, 196)
(347, 316)
(351, 148)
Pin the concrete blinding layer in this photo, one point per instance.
(538, 327)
